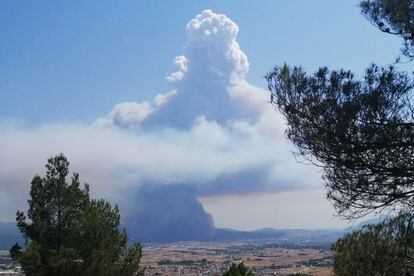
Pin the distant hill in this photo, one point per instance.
(288, 237)
(227, 234)
(9, 235)
(361, 225)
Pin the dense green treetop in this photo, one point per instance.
(393, 17)
(382, 249)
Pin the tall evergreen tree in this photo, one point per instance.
(70, 234)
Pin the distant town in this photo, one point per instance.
(214, 258)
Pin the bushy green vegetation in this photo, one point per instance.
(238, 270)
(382, 249)
(67, 233)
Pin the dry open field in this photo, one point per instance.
(197, 258)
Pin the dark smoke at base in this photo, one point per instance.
(168, 213)
(173, 213)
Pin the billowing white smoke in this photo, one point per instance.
(213, 132)
(130, 114)
(212, 47)
(209, 80)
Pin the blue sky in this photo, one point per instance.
(58, 58)
(88, 78)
